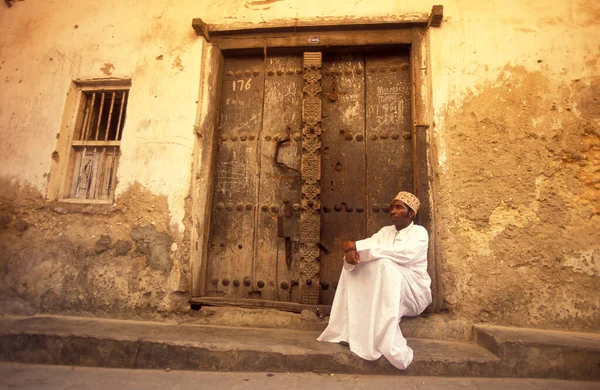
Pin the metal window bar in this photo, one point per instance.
(99, 116)
(87, 125)
(123, 97)
(99, 180)
(102, 173)
(110, 111)
(85, 119)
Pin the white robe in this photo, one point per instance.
(390, 281)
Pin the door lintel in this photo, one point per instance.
(318, 32)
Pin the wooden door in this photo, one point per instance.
(234, 202)
(253, 245)
(366, 158)
(367, 150)
(276, 257)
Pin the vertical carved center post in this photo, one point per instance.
(310, 222)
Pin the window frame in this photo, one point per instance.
(60, 188)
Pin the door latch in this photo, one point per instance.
(279, 143)
(288, 227)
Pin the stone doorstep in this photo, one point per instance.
(439, 326)
(136, 344)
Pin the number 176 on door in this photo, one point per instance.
(241, 85)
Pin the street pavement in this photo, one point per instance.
(26, 376)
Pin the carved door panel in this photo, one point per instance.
(367, 151)
(254, 236)
(233, 214)
(276, 259)
(389, 147)
(343, 178)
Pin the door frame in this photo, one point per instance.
(309, 35)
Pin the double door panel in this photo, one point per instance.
(367, 151)
(366, 158)
(256, 179)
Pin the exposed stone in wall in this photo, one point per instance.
(122, 247)
(518, 204)
(115, 261)
(154, 245)
(103, 244)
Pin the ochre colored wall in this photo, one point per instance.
(517, 126)
(515, 149)
(64, 261)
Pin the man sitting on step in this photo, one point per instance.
(384, 278)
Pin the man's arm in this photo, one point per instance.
(414, 248)
(352, 256)
(371, 241)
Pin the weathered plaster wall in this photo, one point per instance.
(45, 48)
(515, 144)
(121, 260)
(517, 137)
(68, 258)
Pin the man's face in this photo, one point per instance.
(400, 213)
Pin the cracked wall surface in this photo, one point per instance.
(517, 188)
(514, 143)
(516, 205)
(123, 260)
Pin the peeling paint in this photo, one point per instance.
(177, 64)
(521, 217)
(108, 68)
(66, 263)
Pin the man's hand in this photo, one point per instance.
(349, 246)
(352, 257)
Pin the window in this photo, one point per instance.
(96, 142)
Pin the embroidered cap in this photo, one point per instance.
(409, 199)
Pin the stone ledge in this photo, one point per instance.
(542, 353)
(132, 344)
(154, 345)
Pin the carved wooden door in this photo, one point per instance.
(367, 151)
(254, 240)
(311, 152)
